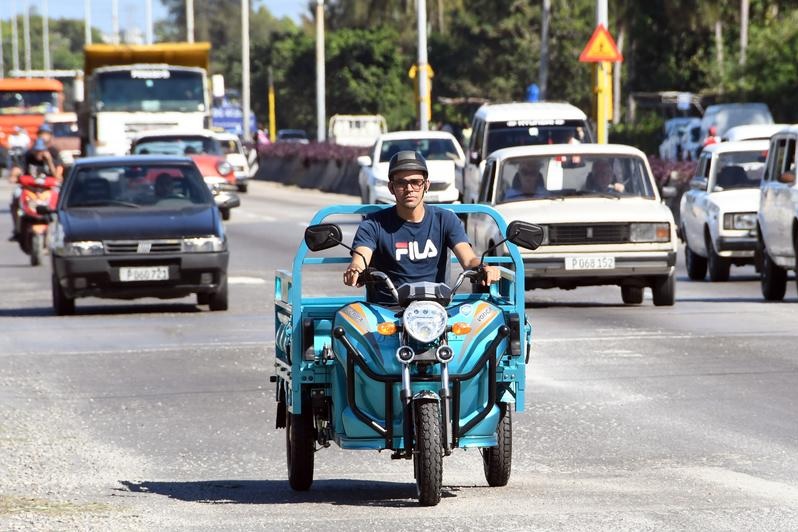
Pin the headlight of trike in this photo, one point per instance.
(739, 220)
(425, 320)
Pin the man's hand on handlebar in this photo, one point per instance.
(352, 276)
(488, 275)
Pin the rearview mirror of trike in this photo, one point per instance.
(323, 236)
(525, 234)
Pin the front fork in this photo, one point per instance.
(444, 354)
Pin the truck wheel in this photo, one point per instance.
(664, 291)
(218, 299)
(498, 461)
(62, 305)
(718, 266)
(428, 454)
(773, 279)
(696, 264)
(299, 449)
(36, 249)
(242, 187)
(632, 295)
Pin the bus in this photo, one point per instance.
(24, 102)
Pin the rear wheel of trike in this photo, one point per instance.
(299, 449)
(428, 454)
(498, 460)
(632, 295)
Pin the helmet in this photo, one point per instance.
(45, 128)
(39, 145)
(407, 160)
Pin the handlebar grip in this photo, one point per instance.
(365, 277)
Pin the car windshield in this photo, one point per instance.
(65, 129)
(292, 134)
(150, 90)
(177, 145)
(742, 169)
(230, 146)
(135, 186)
(430, 149)
(28, 102)
(560, 176)
(535, 132)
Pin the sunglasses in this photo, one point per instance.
(415, 184)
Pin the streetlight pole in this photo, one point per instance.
(603, 77)
(26, 37)
(321, 111)
(190, 20)
(245, 68)
(15, 39)
(148, 22)
(87, 22)
(45, 35)
(423, 80)
(2, 62)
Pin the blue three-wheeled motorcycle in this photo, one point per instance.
(437, 371)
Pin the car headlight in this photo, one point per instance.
(739, 220)
(203, 244)
(224, 168)
(425, 320)
(650, 232)
(83, 248)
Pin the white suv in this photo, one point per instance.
(778, 214)
(497, 126)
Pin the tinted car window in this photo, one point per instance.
(136, 186)
(740, 169)
(431, 149)
(177, 145)
(535, 132)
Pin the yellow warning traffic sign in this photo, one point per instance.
(601, 47)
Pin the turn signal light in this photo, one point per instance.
(663, 233)
(461, 328)
(386, 328)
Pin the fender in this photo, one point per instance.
(426, 396)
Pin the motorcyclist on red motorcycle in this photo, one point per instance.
(39, 160)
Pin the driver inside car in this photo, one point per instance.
(409, 242)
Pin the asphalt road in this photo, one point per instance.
(152, 415)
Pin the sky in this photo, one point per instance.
(132, 12)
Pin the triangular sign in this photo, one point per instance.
(600, 47)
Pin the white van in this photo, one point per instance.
(356, 130)
(497, 126)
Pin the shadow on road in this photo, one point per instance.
(344, 492)
(98, 310)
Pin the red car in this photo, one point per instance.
(206, 152)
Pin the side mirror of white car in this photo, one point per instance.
(364, 160)
(668, 192)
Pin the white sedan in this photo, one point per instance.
(234, 154)
(718, 213)
(601, 212)
(441, 150)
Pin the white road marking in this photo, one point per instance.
(246, 280)
(254, 216)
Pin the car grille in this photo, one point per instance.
(143, 247)
(566, 234)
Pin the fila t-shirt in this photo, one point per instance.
(409, 251)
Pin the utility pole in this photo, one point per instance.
(87, 22)
(26, 37)
(321, 111)
(423, 80)
(148, 23)
(744, 10)
(603, 76)
(15, 39)
(272, 121)
(2, 62)
(190, 20)
(543, 75)
(45, 35)
(115, 21)
(245, 68)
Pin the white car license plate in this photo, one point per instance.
(590, 262)
(149, 273)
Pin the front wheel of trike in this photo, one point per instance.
(299, 450)
(498, 460)
(428, 454)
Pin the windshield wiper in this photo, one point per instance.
(102, 203)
